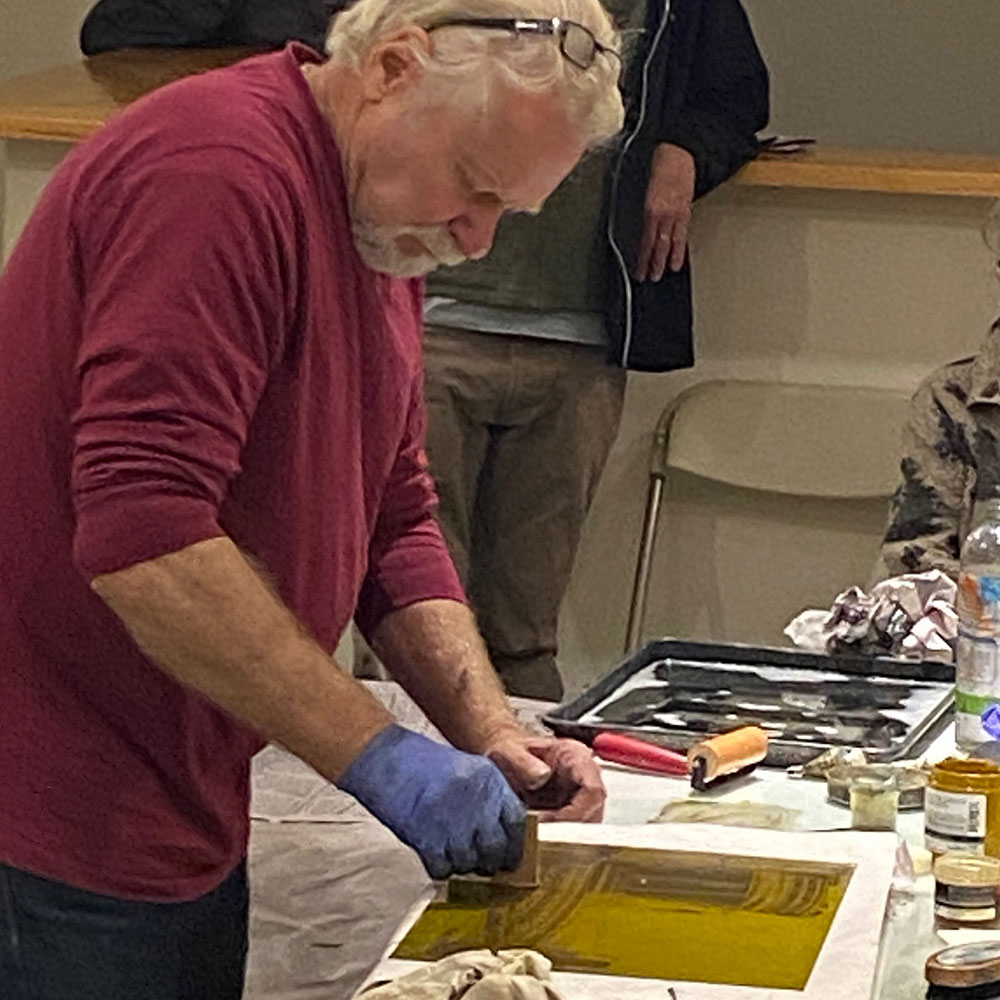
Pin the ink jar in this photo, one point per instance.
(965, 888)
(962, 807)
(964, 972)
(874, 793)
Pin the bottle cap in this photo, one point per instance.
(965, 965)
(963, 868)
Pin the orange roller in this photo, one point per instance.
(724, 756)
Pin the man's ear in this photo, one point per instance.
(395, 63)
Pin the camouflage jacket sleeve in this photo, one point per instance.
(930, 508)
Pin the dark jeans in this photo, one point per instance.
(61, 943)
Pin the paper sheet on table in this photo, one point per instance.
(847, 961)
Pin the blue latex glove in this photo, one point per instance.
(454, 809)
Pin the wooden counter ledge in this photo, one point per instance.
(68, 102)
(893, 171)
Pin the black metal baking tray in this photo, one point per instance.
(707, 688)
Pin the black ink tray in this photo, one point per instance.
(676, 693)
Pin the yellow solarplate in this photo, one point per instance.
(654, 914)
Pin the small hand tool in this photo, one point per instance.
(478, 888)
(709, 762)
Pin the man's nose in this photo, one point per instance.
(474, 230)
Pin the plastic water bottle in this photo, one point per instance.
(977, 658)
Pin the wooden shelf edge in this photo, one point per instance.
(69, 101)
(47, 129)
(979, 179)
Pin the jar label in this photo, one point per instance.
(954, 820)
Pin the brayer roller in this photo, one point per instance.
(707, 762)
(727, 755)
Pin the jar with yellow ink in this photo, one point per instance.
(962, 807)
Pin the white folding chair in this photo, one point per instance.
(792, 440)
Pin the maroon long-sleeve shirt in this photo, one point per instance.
(189, 347)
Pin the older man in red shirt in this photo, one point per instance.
(212, 428)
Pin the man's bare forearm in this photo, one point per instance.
(205, 616)
(434, 650)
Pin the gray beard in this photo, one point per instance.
(377, 247)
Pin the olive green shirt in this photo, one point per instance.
(556, 260)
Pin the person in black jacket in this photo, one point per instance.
(707, 94)
(526, 350)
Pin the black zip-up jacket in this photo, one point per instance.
(706, 90)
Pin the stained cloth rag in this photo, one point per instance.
(473, 975)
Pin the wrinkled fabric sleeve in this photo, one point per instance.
(727, 100)
(186, 307)
(933, 499)
(408, 559)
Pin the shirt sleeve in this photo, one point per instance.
(408, 559)
(934, 495)
(185, 274)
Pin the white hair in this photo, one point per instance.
(474, 57)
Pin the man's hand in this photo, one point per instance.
(667, 213)
(560, 777)
(435, 651)
(454, 809)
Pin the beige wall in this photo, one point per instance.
(908, 73)
(38, 33)
(34, 34)
(815, 287)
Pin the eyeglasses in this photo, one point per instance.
(577, 43)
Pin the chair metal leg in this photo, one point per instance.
(644, 563)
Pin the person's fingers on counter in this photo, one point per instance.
(679, 244)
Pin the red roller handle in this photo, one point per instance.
(621, 749)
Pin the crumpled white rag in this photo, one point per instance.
(910, 615)
(473, 975)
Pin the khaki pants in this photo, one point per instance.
(519, 433)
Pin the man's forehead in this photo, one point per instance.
(523, 146)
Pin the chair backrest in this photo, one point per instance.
(776, 501)
(805, 440)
